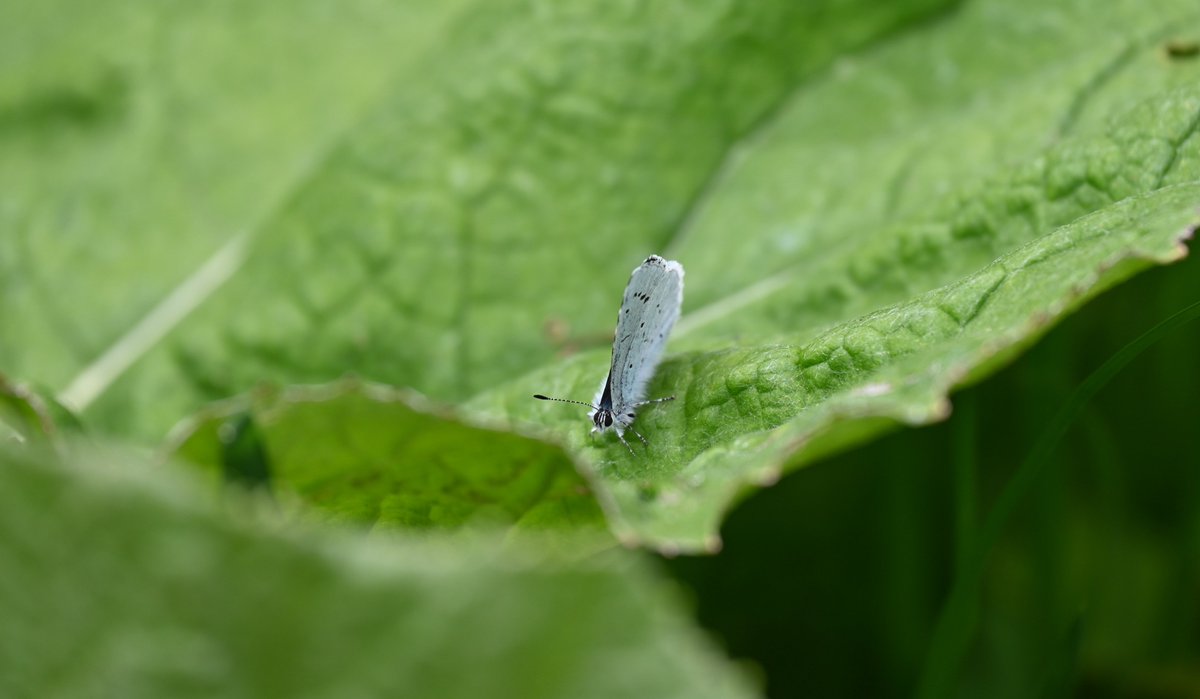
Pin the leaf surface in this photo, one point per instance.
(743, 414)
(534, 144)
(138, 139)
(368, 454)
(871, 210)
(28, 416)
(937, 238)
(123, 581)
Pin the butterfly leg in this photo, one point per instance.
(639, 436)
(622, 438)
(656, 400)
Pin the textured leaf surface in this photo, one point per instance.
(872, 210)
(369, 454)
(538, 146)
(854, 296)
(121, 582)
(743, 413)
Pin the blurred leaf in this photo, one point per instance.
(28, 416)
(120, 581)
(366, 453)
(138, 138)
(243, 455)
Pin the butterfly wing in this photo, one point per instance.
(648, 311)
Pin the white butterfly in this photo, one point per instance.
(647, 314)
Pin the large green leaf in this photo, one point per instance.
(138, 138)
(745, 413)
(853, 297)
(859, 240)
(119, 581)
(534, 143)
(370, 454)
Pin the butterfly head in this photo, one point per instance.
(603, 419)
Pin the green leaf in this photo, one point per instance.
(743, 414)
(28, 416)
(122, 581)
(532, 140)
(854, 298)
(872, 210)
(827, 348)
(138, 139)
(365, 453)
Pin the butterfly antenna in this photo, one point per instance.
(565, 400)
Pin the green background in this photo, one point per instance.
(325, 252)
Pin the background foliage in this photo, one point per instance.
(213, 213)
